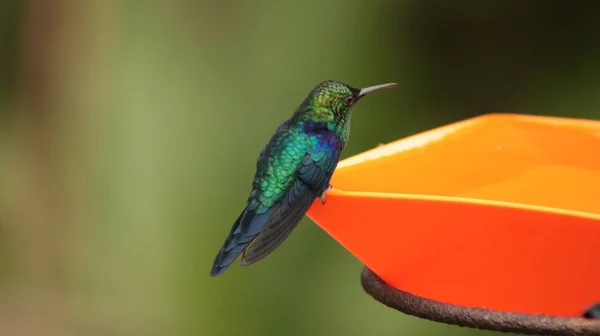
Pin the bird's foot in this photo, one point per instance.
(322, 196)
(381, 144)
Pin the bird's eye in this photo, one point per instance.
(349, 100)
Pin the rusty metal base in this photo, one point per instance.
(478, 318)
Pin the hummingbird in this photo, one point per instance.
(292, 170)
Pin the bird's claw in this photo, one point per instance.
(322, 196)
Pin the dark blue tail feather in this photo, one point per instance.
(243, 231)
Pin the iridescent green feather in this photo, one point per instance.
(277, 174)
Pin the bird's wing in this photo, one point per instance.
(311, 178)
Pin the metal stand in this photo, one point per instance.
(478, 318)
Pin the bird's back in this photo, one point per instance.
(278, 164)
(292, 170)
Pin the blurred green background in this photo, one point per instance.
(129, 132)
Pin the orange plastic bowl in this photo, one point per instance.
(499, 211)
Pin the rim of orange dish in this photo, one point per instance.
(465, 200)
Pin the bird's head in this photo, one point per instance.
(332, 101)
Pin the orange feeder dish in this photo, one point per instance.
(500, 211)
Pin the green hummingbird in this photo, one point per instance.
(292, 170)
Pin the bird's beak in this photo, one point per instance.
(366, 91)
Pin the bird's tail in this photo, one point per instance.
(244, 230)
